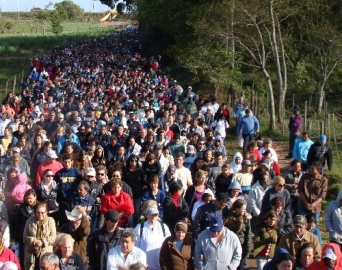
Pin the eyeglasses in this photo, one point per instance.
(101, 174)
(49, 175)
(279, 185)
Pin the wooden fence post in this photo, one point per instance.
(329, 135)
(14, 83)
(321, 129)
(305, 114)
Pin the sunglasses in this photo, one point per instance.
(49, 175)
(281, 185)
(101, 174)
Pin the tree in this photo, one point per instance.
(129, 5)
(72, 11)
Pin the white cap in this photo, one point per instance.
(51, 154)
(329, 253)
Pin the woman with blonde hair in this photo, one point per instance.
(64, 249)
(277, 190)
(39, 236)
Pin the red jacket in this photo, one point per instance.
(276, 168)
(122, 203)
(8, 256)
(321, 266)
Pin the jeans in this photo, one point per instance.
(293, 138)
(295, 205)
(137, 211)
(261, 261)
(246, 139)
(304, 213)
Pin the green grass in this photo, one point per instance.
(18, 47)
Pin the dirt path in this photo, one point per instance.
(282, 151)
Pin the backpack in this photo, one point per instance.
(161, 223)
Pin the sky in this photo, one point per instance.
(27, 5)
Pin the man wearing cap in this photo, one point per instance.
(312, 189)
(101, 241)
(292, 241)
(50, 163)
(170, 178)
(126, 254)
(295, 126)
(301, 149)
(79, 228)
(245, 176)
(320, 151)
(218, 207)
(177, 250)
(249, 125)
(150, 237)
(217, 247)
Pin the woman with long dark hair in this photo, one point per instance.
(238, 222)
(265, 239)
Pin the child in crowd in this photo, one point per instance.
(206, 198)
(235, 165)
(168, 156)
(311, 226)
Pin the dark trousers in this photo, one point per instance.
(293, 138)
(246, 139)
(295, 205)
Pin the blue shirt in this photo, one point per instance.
(249, 125)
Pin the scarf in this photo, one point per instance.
(175, 198)
(40, 235)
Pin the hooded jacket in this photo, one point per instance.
(221, 148)
(318, 152)
(234, 168)
(333, 219)
(321, 265)
(20, 189)
(234, 185)
(272, 264)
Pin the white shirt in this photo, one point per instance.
(3, 125)
(116, 259)
(151, 241)
(185, 175)
(220, 127)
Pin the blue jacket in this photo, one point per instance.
(87, 202)
(301, 149)
(249, 125)
(63, 139)
(67, 181)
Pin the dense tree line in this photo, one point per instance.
(275, 45)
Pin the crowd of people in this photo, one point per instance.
(110, 164)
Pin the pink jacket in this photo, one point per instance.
(20, 188)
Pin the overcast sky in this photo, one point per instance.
(27, 5)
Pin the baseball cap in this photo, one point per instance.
(16, 149)
(216, 224)
(152, 211)
(295, 107)
(171, 169)
(265, 165)
(247, 111)
(61, 115)
(299, 220)
(190, 149)
(322, 138)
(51, 154)
(329, 253)
(78, 119)
(90, 171)
(112, 215)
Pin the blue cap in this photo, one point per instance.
(322, 138)
(216, 224)
(295, 107)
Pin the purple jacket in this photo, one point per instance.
(295, 123)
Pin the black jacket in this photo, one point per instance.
(99, 245)
(318, 152)
(23, 214)
(173, 214)
(75, 261)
